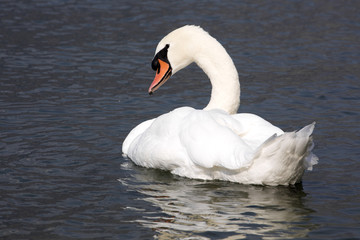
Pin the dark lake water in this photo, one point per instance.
(73, 82)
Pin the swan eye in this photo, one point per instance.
(155, 64)
(162, 54)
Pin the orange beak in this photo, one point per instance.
(163, 73)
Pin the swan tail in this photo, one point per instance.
(283, 159)
(310, 158)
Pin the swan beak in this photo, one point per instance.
(163, 73)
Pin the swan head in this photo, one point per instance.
(192, 44)
(162, 66)
(174, 52)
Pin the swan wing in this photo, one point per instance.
(213, 139)
(256, 130)
(186, 137)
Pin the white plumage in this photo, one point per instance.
(216, 143)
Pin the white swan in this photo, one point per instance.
(215, 143)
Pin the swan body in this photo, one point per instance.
(215, 143)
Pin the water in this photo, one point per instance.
(74, 79)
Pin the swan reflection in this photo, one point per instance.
(215, 209)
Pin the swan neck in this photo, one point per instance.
(220, 69)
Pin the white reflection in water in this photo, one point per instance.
(208, 209)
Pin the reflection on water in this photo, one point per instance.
(212, 209)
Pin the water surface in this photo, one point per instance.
(73, 82)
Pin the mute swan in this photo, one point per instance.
(215, 143)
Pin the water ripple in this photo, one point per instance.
(74, 80)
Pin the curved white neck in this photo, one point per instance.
(219, 67)
(192, 44)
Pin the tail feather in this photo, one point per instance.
(310, 158)
(284, 158)
(306, 131)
